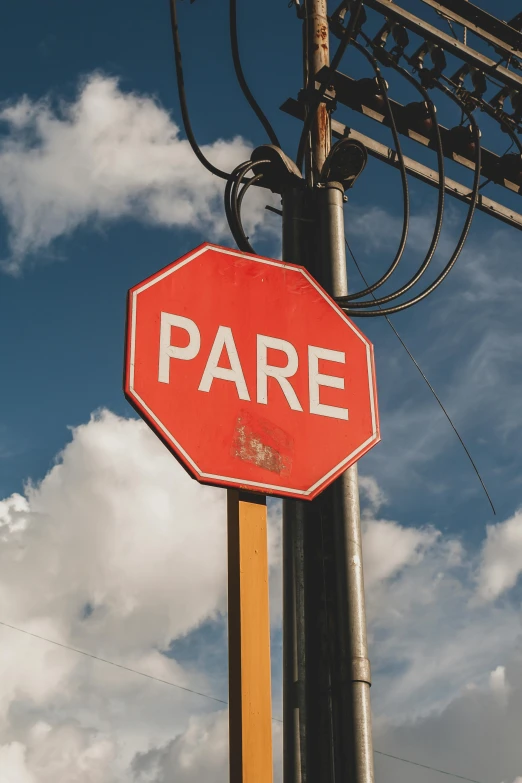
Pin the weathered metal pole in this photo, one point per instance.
(317, 55)
(327, 673)
(351, 677)
(294, 658)
(299, 230)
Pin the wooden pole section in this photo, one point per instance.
(250, 699)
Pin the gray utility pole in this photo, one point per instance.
(327, 714)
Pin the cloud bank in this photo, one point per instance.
(107, 155)
(118, 552)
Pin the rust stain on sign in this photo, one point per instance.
(264, 444)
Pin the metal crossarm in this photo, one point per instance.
(417, 170)
(447, 42)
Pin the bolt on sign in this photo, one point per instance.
(250, 373)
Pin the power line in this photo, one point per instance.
(426, 766)
(183, 97)
(263, 119)
(199, 693)
(111, 663)
(430, 387)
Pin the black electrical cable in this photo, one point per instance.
(234, 198)
(426, 381)
(312, 108)
(245, 244)
(228, 204)
(231, 213)
(464, 234)
(440, 207)
(241, 77)
(231, 207)
(183, 98)
(199, 693)
(402, 169)
(245, 188)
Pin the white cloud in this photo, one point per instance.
(501, 561)
(372, 494)
(63, 752)
(106, 155)
(107, 528)
(477, 735)
(389, 547)
(498, 682)
(200, 753)
(12, 764)
(117, 551)
(429, 637)
(183, 756)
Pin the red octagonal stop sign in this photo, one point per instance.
(250, 373)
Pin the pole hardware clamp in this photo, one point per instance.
(280, 173)
(310, 96)
(345, 161)
(361, 670)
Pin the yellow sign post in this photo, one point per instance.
(250, 700)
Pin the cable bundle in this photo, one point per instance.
(355, 304)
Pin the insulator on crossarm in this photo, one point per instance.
(480, 84)
(417, 58)
(498, 100)
(368, 93)
(438, 58)
(400, 36)
(460, 75)
(511, 168)
(462, 141)
(516, 102)
(418, 118)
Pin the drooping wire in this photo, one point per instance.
(440, 206)
(427, 382)
(404, 178)
(183, 98)
(402, 169)
(426, 766)
(417, 365)
(199, 693)
(463, 236)
(313, 104)
(233, 198)
(110, 663)
(241, 77)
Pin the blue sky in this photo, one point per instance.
(97, 191)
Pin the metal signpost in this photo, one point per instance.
(257, 381)
(251, 372)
